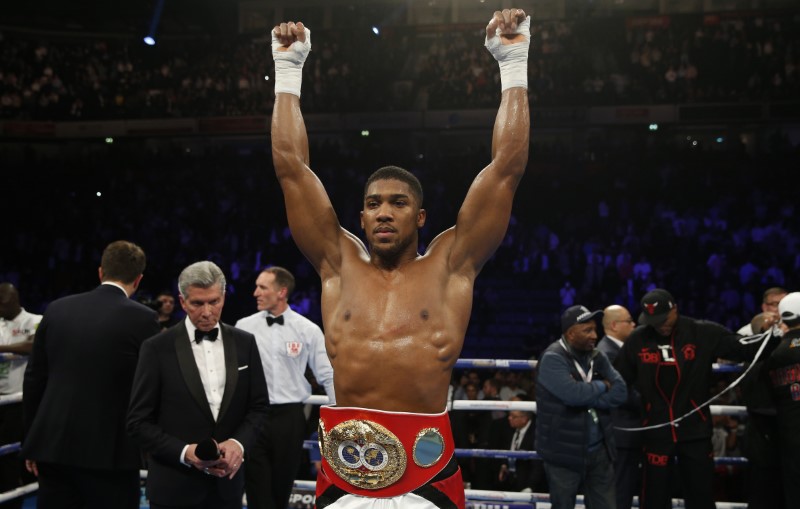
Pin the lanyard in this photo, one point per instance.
(584, 376)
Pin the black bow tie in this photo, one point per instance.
(200, 335)
(274, 319)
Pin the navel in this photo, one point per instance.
(347, 315)
(424, 314)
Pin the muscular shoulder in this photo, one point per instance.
(442, 242)
(352, 251)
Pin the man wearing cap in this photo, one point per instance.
(576, 387)
(783, 369)
(668, 359)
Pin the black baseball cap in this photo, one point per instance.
(656, 305)
(575, 315)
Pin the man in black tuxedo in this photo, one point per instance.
(618, 325)
(522, 474)
(200, 379)
(77, 385)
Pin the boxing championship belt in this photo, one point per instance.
(382, 454)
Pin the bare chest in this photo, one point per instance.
(405, 312)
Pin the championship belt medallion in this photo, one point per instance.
(364, 453)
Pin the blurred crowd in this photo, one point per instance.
(714, 228)
(601, 61)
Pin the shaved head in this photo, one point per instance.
(617, 322)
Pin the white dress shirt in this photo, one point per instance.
(285, 352)
(210, 359)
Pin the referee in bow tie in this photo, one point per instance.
(287, 342)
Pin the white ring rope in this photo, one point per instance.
(522, 365)
(764, 338)
(19, 492)
(532, 498)
(510, 364)
(529, 406)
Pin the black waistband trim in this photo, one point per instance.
(434, 496)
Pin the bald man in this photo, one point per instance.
(17, 329)
(618, 325)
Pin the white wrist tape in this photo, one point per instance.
(513, 58)
(289, 64)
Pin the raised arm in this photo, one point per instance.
(312, 220)
(484, 215)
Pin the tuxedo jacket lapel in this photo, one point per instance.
(191, 375)
(231, 368)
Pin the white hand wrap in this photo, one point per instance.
(513, 58)
(289, 64)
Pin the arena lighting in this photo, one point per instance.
(653, 127)
(109, 140)
(150, 40)
(376, 31)
(99, 194)
(365, 133)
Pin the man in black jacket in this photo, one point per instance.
(200, 379)
(618, 326)
(525, 475)
(668, 359)
(77, 385)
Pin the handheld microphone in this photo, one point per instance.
(207, 450)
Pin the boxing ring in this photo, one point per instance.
(476, 499)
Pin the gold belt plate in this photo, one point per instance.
(364, 453)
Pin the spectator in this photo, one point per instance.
(166, 310)
(524, 475)
(576, 387)
(769, 307)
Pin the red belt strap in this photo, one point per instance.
(371, 452)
